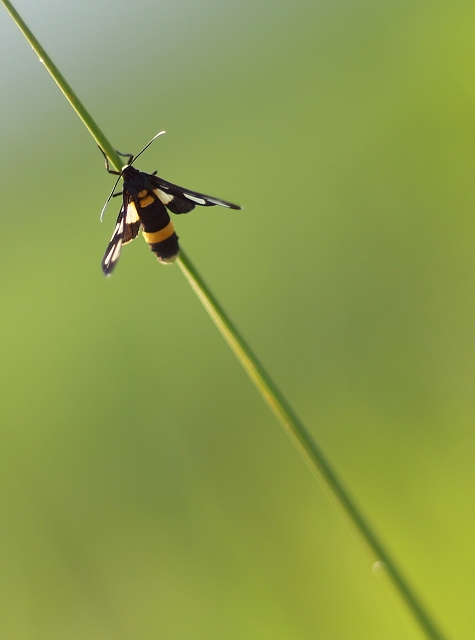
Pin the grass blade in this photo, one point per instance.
(304, 442)
(67, 90)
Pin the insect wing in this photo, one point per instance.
(132, 223)
(181, 200)
(126, 229)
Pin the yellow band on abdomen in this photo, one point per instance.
(159, 236)
(144, 202)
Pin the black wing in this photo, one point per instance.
(181, 200)
(126, 229)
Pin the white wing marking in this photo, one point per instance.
(163, 197)
(194, 198)
(132, 215)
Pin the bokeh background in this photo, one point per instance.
(146, 491)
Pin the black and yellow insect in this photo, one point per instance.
(145, 200)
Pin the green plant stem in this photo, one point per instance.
(271, 394)
(304, 441)
(73, 99)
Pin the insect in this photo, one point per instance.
(145, 200)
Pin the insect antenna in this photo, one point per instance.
(160, 133)
(111, 195)
(132, 159)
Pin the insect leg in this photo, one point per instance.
(130, 156)
(116, 173)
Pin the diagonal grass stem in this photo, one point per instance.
(67, 90)
(304, 442)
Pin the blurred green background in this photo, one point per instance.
(146, 491)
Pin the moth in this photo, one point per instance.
(146, 201)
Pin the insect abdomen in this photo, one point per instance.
(163, 243)
(158, 229)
